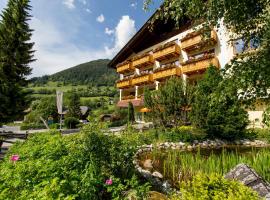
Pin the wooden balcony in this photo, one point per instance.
(199, 65)
(143, 61)
(196, 41)
(165, 52)
(166, 73)
(130, 97)
(123, 84)
(142, 79)
(124, 67)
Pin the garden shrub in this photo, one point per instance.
(52, 166)
(71, 122)
(32, 126)
(262, 134)
(182, 133)
(214, 186)
(217, 109)
(266, 117)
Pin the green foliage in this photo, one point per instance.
(249, 20)
(266, 117)
(71, 167)
(131, 117)
(214, 186)
(262, 134)
(32, 126)
(217, 109)
(73, 105)
(46, 107)
(183, 134)
(169, 105)
(139, 191)
(202, 96)
(15, 56)
(71, 122)
(177, 165)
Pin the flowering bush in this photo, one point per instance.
(52, 166)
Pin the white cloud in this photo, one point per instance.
(101, 18)
(69, 4)
(124, 30)
(109, 31)
(134, 5)
(54, 51)
(88, 10)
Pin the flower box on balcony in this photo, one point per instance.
(142, 60)
(130, 97)
(166, 72)
(167, 51)
(125, 83)
(142, 79)
(200, 64)
(197, 40)
(124, 67)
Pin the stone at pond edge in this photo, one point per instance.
(153, 195)
(250, 178)
(147, 164)
(158, 175)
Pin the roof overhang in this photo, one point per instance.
(149, 35)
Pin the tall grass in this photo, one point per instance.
(181, 165)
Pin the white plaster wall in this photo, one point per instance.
(224, 51)
(256, 118)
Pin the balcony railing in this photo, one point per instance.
(123, 84)
(196, 40)
(167, 72)
(142, 79)
(201, 64)
(168, 51)
(124, 67)
(130, 97)
(143, 61)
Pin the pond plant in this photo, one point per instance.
(178, 166)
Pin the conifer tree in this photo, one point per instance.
(15, 56)
(131, 117)
(74, 105)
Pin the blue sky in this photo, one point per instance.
(70, 32)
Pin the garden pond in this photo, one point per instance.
(180, 165)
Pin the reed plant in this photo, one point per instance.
(178, 166)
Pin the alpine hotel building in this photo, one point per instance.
(154, 55)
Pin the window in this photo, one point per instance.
(241, 46)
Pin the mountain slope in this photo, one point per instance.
(93, 72)
(96, 73)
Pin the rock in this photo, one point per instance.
(189, 147)
(250, 178)
(181, 144)
(195, 142)
(146, 174)
(158, 175)
(147, 164)
(153, 195)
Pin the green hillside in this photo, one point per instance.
(95, 73)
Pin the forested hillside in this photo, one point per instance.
(95, 73)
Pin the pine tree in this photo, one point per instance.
(74, 105)
(202, 97)
(15, 56)
(131, 117)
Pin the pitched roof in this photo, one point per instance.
(147, 37)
